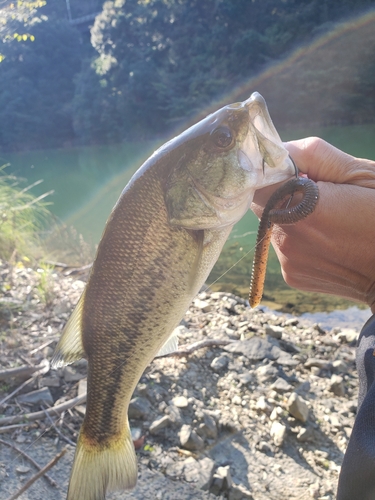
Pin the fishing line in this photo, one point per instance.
(234, 265)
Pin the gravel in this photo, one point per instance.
(265, 417)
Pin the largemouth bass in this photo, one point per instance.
(160, 242)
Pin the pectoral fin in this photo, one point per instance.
(70, 347)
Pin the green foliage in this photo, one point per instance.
(45, 285)
(162, 60)
(150, 63)
(22, 218)
(37, 83)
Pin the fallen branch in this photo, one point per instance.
(20, 371)
(190, 348)
(76, 270)
(9, 428)
(46, 344)
(39, 415)
(42, 369)
(38, 475)
(30, 459)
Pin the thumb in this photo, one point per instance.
(323, 162)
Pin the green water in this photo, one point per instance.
(87, 182)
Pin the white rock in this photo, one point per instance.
(180, 402)
(278, 433)
(159, 424)
(274, 331)
(189, 439)
(297, 407)
(262, 405)
(203, 305)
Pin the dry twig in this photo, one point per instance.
(20, 371)
(30, 459)
(39, 415)
(42, 369)
(38, 475)
(46, 344)
(9, 428)
(190, 348)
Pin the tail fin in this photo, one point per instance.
(97, 470)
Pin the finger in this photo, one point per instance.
(323, 162)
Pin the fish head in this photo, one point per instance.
(220, 162)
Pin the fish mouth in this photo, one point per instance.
(264, 143)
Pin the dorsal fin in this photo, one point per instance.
(70, 347)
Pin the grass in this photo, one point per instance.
(22, 217)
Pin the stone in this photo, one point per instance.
(203, 305)
(199, 472)
(278, 433)
(319, 363)
(305, 434)
(265, 447)
(208, 428)
(174, 413)
(70, 375)
(139, 408)
(22, 469)
(347, 335)
(239, 492)
(266, 372)
(220, 363)
(180, 402)
(49, 382)
(159, 424)
(337, 386)
(297, 407)
(229, 303)
(286, 359)
(255, 348)
(339, 366)
(303, 388)
(281, 385)
(274, 331)
(222, 480)
(262, 405)
(291, 322)
(245, 378)
(189, 439)
(34, 397)
(276, 412)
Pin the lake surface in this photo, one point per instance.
(87, 182)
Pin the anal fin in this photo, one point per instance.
(171, 345)
(70, 347)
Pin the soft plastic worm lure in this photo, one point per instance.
(273, 215)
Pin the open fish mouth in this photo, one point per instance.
(264, 138)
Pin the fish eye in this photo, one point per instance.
(222, 137)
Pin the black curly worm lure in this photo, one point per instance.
(273, 215)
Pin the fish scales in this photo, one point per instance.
(153, 272)
(161, 240)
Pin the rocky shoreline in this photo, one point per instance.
(264, 413)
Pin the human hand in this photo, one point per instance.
(333, 250)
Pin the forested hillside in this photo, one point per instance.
(141, 66)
